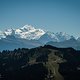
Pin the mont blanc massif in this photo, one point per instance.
(30, 37)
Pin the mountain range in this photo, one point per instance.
(31, 33)
(29, 37)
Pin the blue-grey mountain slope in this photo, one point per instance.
(10, 43)
(68, 43)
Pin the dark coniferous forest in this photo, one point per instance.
(40, 63)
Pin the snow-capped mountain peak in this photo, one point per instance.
(9, 32)
(28, 28)
(2, 35)
(62, 36)
(30, 33)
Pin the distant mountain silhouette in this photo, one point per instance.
(11, 43)
(68, 43)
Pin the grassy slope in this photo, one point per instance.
(52, 66)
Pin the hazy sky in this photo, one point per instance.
(52, 15)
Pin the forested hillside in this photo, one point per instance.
(40, 63)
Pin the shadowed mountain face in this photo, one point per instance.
(40, 63)
(68, 43)
(11, 43)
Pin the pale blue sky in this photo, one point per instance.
(52, 15)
